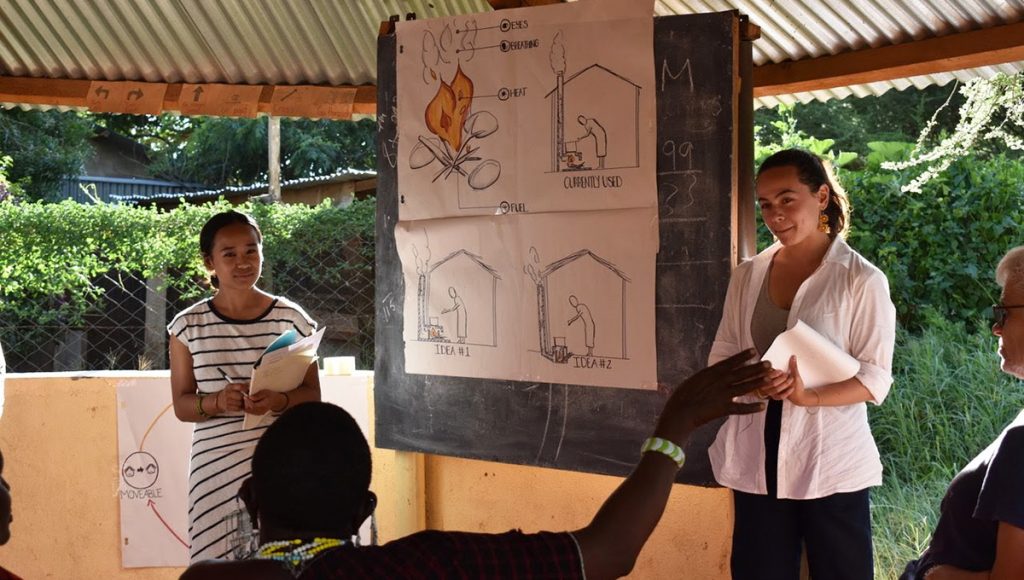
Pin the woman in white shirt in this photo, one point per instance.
(800, 471)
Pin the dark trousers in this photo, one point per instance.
(769, 534)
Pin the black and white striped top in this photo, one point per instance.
(221, 449)
(218, 342)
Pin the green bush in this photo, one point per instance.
(939, 248)
(58, 260)
(45, 148)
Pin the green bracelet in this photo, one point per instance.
(199, 404)
(665, 447)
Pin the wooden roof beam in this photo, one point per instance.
(952, 52)
(192, 99)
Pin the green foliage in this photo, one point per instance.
(316, 147)
(783, 132)
(226, 151)
(219, 151)
(938, 248)
(948, 402)
(45, 147)
(54, 252)
(853, 122)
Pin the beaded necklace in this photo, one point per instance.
(296, 554)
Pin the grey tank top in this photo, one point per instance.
(768, 321)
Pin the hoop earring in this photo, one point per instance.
(823, 226)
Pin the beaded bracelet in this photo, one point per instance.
(199, 405)
(665, 447)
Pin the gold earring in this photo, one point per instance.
(823, 226)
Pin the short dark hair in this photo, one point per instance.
(218, 222)
(311, 469)
(814, 172)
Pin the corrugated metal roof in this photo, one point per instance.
(802, 29)
(333, 42)
(279, 42)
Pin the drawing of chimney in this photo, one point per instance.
(421, 306)
(421, 292)
(557, 58)
(545, 325)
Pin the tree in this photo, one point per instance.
(854, 122)
(45, 148)
(227, 151)
(992, 113)
(311, 147)
(217, 151)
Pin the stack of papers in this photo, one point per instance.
(819, 361)
(281, 367)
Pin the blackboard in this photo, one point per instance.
(593, 429)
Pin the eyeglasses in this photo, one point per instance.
(1000, 312)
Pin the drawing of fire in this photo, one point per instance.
(447, 111)
(450, 119)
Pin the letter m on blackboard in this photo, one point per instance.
(667, 74)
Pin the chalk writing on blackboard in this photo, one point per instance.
(684, 72)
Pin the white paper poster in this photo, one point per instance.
(524, 111)
(153, 453)
(153, 449)
(555, 297)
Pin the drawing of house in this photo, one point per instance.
(617, 112)
(475, 288)
(593, 281)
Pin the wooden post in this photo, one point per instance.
(274, 157)
(155, 349)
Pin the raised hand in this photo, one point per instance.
(709, 394)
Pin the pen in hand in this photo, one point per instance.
(230, 381)
(225, 375)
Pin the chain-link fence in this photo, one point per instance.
(125, 328)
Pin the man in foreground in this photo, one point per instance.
(309, 493)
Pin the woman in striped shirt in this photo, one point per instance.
(213, 346)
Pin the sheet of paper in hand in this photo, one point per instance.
(282, 366)
(819, 361)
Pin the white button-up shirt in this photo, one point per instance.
(822, 450)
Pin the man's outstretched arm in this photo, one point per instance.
(613, 540)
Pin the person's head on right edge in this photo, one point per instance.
(1009, 313)
(800, 197)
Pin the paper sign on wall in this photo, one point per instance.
(529, 110)
(220, 100)
(126, 97)
(153, 450)
(513, 297)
